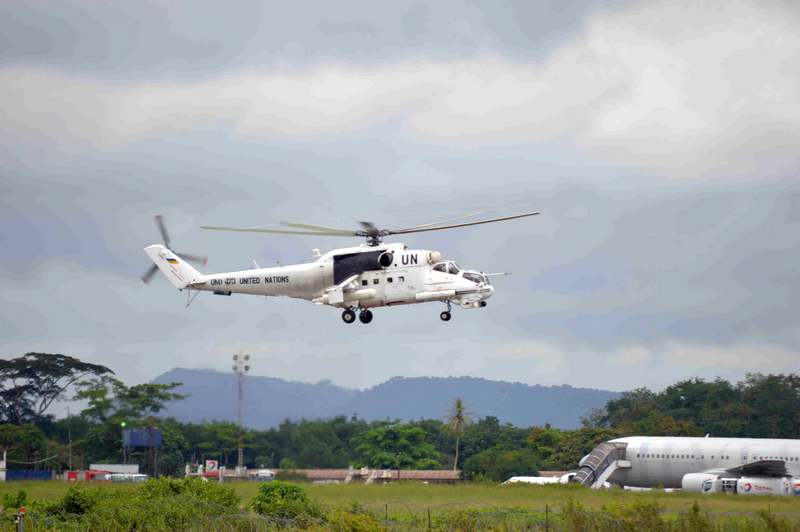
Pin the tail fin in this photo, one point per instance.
(177, 270)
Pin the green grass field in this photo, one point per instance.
(411, 502)
(417, 497)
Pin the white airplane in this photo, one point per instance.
(749, 466)
(354, 278)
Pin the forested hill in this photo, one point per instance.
(268, 401)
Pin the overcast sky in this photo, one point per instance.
(660, 140)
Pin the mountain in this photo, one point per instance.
(268, 400)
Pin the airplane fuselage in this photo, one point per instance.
(663, 461)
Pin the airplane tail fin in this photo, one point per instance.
(177, 270)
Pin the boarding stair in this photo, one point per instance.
(596, 468)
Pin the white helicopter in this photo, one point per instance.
(359, 278)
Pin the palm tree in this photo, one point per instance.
(458, 419)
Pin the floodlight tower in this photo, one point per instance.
(240, 366)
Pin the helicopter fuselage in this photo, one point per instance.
(358, 277)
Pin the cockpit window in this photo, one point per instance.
(441, 267)
(452, 268)
(474, 277)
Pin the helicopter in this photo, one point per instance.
(355, 279)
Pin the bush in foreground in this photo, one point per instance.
(158, 504)
(284, 501)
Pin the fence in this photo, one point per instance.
(25, 474)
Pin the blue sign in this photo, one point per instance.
(141, 438)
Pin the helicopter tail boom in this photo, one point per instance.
(177, 270)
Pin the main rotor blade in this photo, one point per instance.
(275, 231)
(461, 217)
(160, 223)
(320, 228)
(199, 259)
(452, 226)
(148, 275)
(370, 228)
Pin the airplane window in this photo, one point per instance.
(401, 279)
(375, 281)
(364, 282)
(441, 267)
(389, 279)
(452, 268)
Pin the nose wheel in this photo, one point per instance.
(445, 316)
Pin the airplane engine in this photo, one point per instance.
(700, 483)
(385, 259)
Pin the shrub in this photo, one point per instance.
(223, 499)
(75, 502)
(694, 520)
(14, 501)
(284, 501)
(158, 504)
(348, 521)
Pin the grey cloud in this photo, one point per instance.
(198, 39)
(629, 277)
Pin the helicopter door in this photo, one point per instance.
(398, 289)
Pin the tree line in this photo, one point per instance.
(758, 406)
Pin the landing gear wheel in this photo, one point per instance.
(445, 316)
(348, 316)
(365, 316)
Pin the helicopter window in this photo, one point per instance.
(474, 277)
(441, 267)
(376, 281)
(452, 268)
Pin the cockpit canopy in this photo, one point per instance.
(474, 277)
(453, 269)
(447, 267)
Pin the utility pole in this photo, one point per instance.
(240, 366)
(69, 438)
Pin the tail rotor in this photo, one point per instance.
(188, 257)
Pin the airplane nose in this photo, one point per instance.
(488, 291)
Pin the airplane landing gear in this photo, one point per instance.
(348, 316)
(365, 316)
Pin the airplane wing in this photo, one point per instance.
(760, 468)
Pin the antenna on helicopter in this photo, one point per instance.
(373, 234)
(197, 259)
